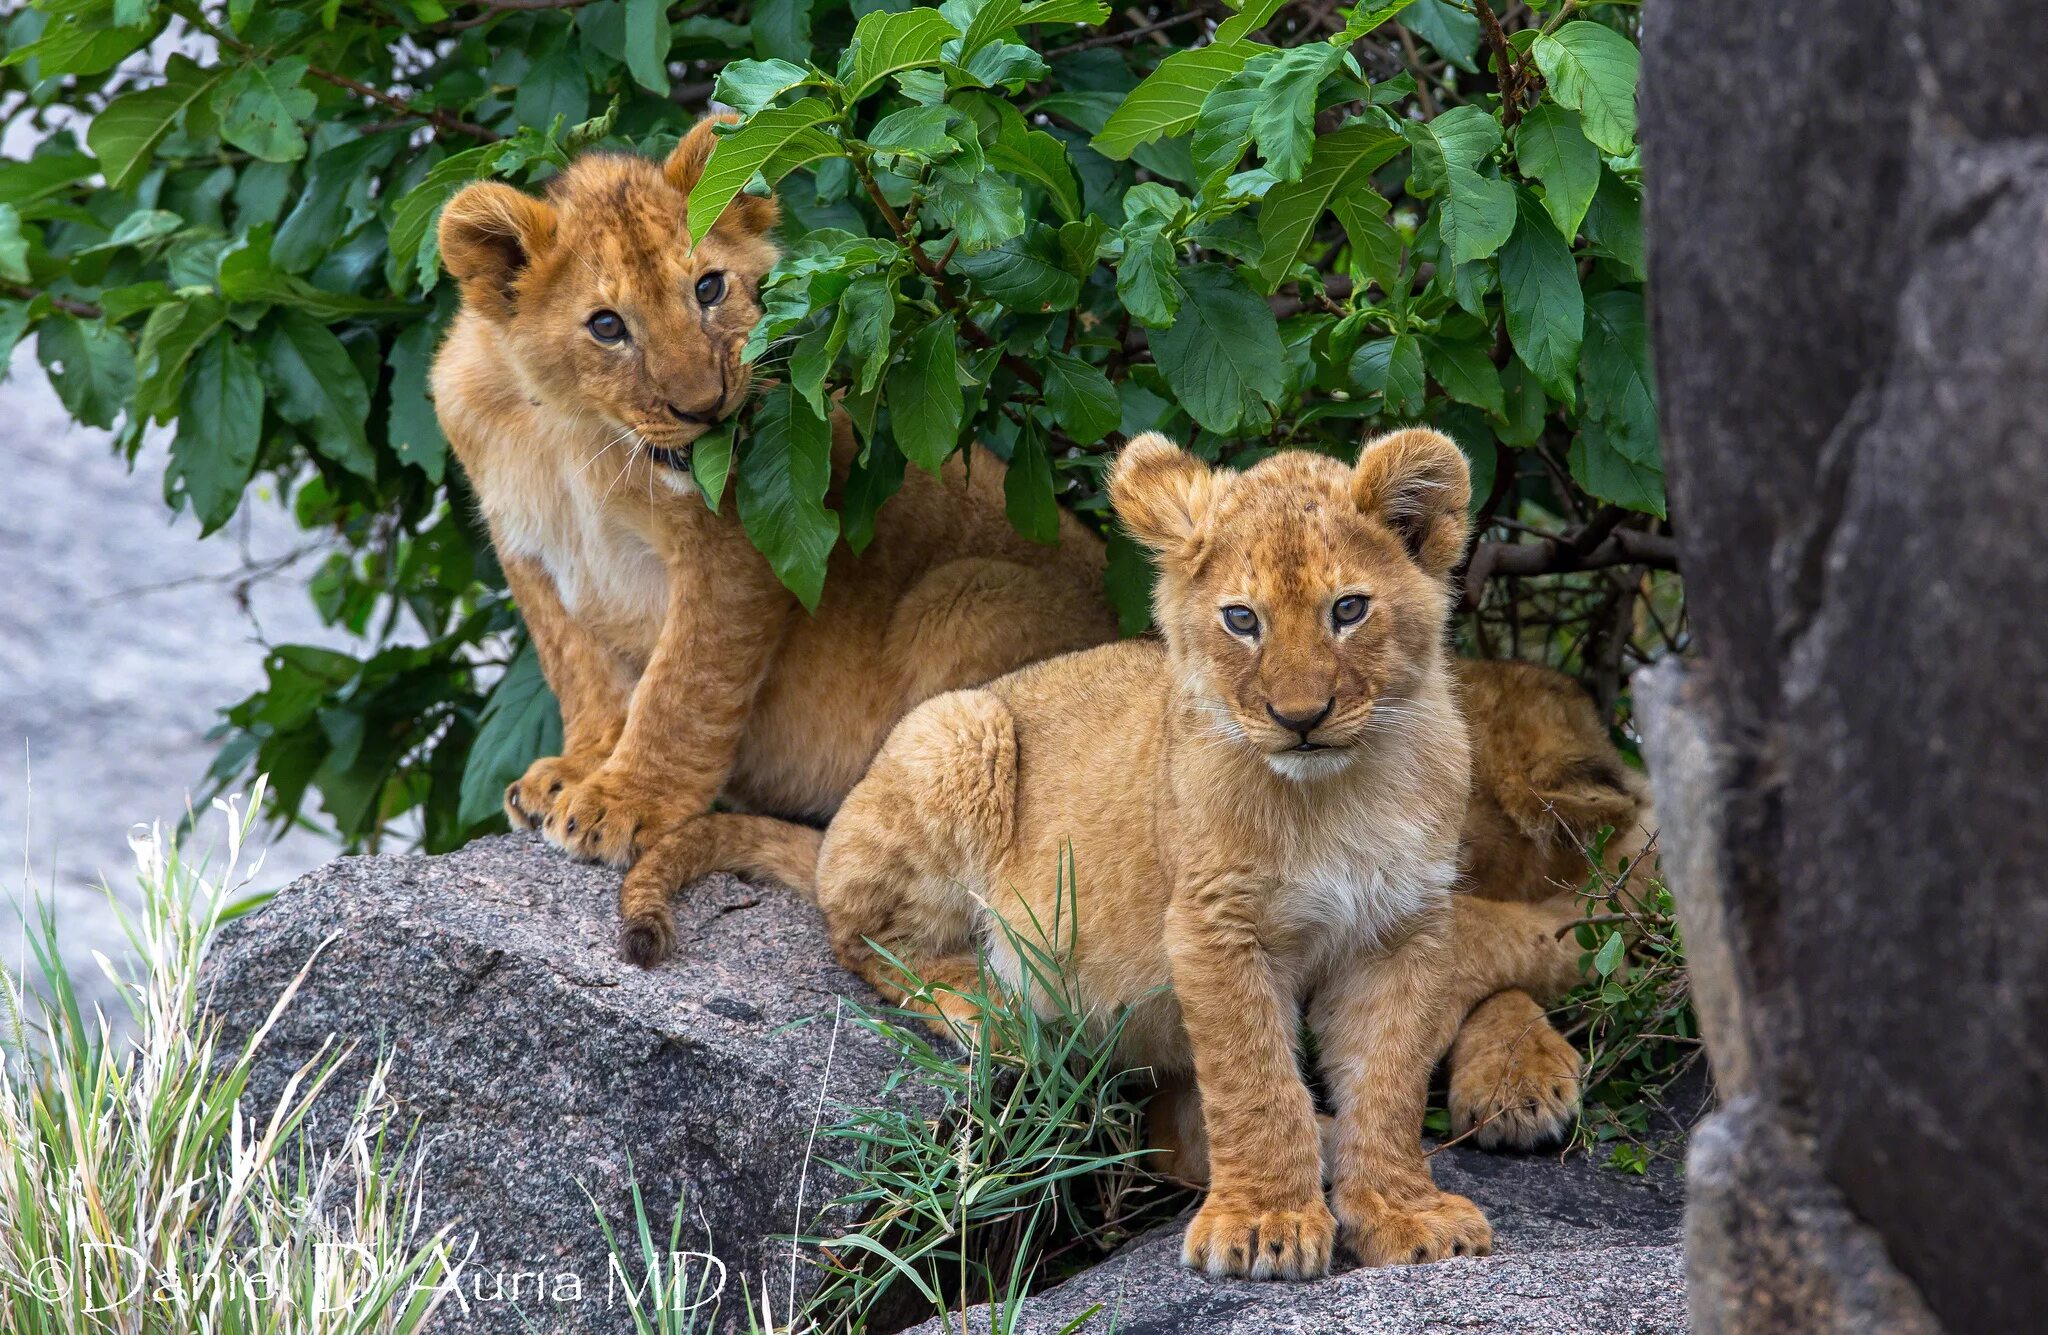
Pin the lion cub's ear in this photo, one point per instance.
(1161, 492)
(489, 234)
(1417, 483)
(685, 167)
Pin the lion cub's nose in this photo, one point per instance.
(1303, 721)
(705, 418)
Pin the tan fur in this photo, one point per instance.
(1545, 779)
(686, 672)
(1225, 880)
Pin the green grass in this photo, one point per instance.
(1021, 1165)
(141, 1191)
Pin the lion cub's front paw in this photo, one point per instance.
(530, 797)
(1517, 1091)
(605, 818)
(1380, 1231)
(1241, 1238)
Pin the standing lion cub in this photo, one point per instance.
(1263, 813)
(597, 341)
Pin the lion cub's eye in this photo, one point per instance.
(711, 288)
(1241, 620)
(606, 326)
(1349, 610)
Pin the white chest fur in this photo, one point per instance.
(1372, 863)
(600, 565)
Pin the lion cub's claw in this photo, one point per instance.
(1521, 1095)
(601, 819)
(1382, 1233)
(530, 797)
(1227, 1238)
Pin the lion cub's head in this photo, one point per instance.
(1301, 600)
(607, 304)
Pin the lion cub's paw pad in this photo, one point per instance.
(1411, 1235)
(1224, 1240)
(600, 822)
(1519, 1096)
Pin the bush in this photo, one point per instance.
(1039, 225)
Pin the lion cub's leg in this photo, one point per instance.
(756, 847)
(1514, 1078)
(590, 683)
(909, 844)
(1381, 1021)
(970, 621)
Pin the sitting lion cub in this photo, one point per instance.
(597, 341)
(1263, 811)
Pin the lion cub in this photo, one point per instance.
(1263, 812)
(597, 341)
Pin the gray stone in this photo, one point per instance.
(1849, 305)
(1579, 1250)
(536, 1062)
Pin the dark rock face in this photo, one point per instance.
(537, 1062)
(1847, 205)
(1578, 1251)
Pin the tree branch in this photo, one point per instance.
(1557, 556)
(84, 310)
(434, 116)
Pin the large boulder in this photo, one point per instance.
(540, 1067)
(1579, 1250)
(1849, 305)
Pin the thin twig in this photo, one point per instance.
(84, 310)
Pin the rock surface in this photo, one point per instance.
(1849, 306)
(1578, 1250)
(537, 1062)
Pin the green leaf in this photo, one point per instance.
(1222, 355)
(220, 431)
(924, 396)
(1476, 215)
(983, 213)
(316, 387)
(13, 246)
(412, 428)
(90, 366)
(128, 129)
(45, 174)
(647, 42)
(1609, 957)
(13, 324)
(556, 85)
(1452, 31)
(170, 336)
(260, 107)
(874, 478)
(138, 229)
(885, 43)
(918, 132)
(520, 723)
(774, 133)
(1391, 368)
(1081, 398)
(1037, 156)
(1375, 246)
(74, 44)
(1283, 121)
(868, 308)
(1461, 137)
(711, 463)
(1127, 580)
(1614, 225)
(1145, 279)
(1527, 405)
(1592, 69)
(781, 28)
(1366, 17)
(1466, 372)
(246, 274)
(1171, 97)
(1546, 312)
(749, 85)
(1290, 211)
(785, 471)
(1026, 274)
(1552, 148)
(1617, 456)
(317, 221)
(1223, 127)
(1028, 496)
